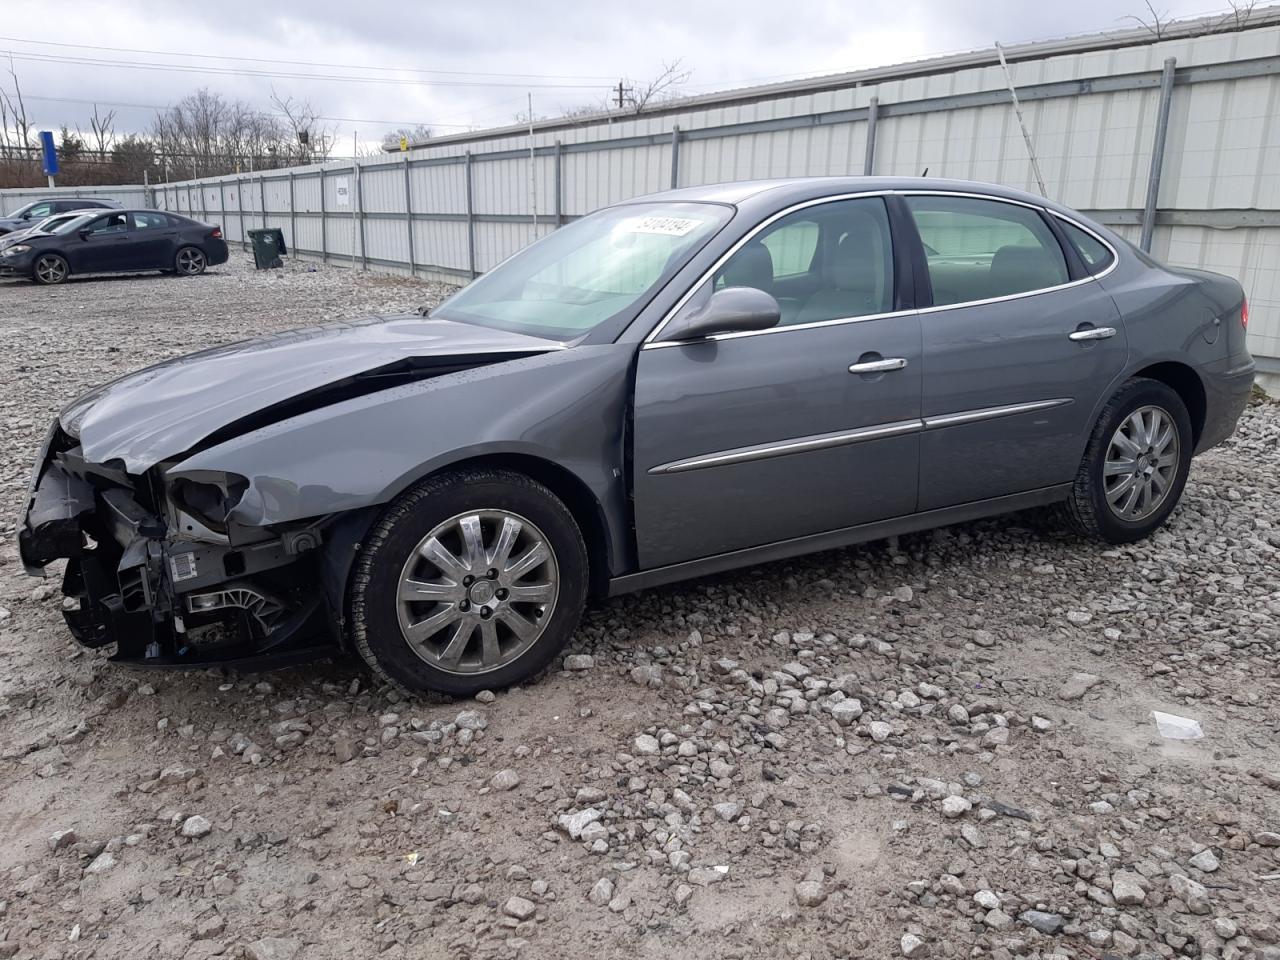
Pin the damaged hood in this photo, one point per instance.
(168, 409)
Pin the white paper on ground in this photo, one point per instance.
(1172, 727)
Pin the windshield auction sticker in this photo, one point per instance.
(666, 226)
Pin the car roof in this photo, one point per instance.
(795, 189)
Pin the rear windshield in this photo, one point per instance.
(591, 271)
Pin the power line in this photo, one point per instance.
(156, 106)
(340, 78)
(306, 63)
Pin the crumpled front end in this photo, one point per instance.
(156, 568)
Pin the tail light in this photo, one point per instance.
(1244, 313)
(217, 233)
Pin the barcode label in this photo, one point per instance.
(183, 566)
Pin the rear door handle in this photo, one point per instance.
(1092, 333)
(878, 366)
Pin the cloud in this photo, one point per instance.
(572, 52)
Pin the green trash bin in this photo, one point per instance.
(268, 247)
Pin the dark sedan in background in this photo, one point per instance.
(36, 210)
(119, 241)
(667, 388)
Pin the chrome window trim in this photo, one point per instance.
(649, 341)
(825, 441)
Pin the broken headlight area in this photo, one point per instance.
(159, 569)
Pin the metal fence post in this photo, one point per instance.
(873, 113)
(293, 214)
(559, 173)
(358, 212)
(222, 204)
(1157, 154)
(324, 224)
(675, 155)
(408, 214)
(262, 198)
(471, 222)
(244, 239)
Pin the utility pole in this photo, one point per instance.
(621, 91)
(533, 172)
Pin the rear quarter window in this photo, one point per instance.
(1095, 254)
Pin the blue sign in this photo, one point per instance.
(50, 153)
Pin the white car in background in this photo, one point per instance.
(46, 225)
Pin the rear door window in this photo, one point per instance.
(150, 221)
(979, 249)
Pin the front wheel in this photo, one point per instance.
(50, 269)
(470, 581)
(190, 261)
(1135, 466)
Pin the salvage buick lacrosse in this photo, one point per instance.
(664, 389)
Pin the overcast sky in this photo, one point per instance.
(565, 53)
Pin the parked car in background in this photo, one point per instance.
(36, 210)
(46, 225)
(667, 388)
(122, 241)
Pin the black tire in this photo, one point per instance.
(1087, 509)
(190, 262)
(373, 620)
(50, 269)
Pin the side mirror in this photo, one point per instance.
(731, 310)
(84, 234)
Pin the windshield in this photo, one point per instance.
(588, 272)
(22, 209)
(48, 223)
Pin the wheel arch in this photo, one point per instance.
(577, 496)
(1186, 383)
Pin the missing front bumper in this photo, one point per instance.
(160, 599)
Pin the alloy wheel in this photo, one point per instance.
(478, 591)
(51, 269)
(190, 261)
(1142, 463)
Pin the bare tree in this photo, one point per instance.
(102, 128)
(15, 125)
(665, 86)
(1158, 25)
(310, 141)
(1241, 11)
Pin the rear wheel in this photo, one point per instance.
(471, 581)
(50, 269)
(1135, 466)
(190, 261)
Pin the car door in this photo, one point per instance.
(1020, 346)
(101, 245)
(745, 439)
(152, 238)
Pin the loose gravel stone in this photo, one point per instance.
(196, 826)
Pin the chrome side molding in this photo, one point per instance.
(992, 413)
(767, 451)
(825, 441)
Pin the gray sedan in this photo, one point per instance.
(667, 388)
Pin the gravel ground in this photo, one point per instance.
(938, 746)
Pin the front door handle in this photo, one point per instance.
(1092, 333)
(879, 366)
